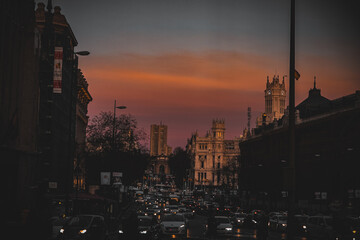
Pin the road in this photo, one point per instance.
(196, 230)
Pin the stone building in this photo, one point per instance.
(19, 97)
(275, 95)
(214, 159)
(58, 95)
(159, 150)
(83, 100)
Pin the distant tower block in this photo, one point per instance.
(159, 149)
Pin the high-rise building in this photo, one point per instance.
(214, 159)
(275, 95)
(159, 149)
(158, 140)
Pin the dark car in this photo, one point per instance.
(145, 226)
(87, 227)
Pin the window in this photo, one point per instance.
(202, 176)
(205, 175)
(199, 177)
(218, 165)
(213, 177)
(202, 164)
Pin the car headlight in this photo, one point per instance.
(284, 224)
(228, 229)
(121, 231)
(304, 227)
(62, 230)
(82, 231)
(143, 232)
(182, 226)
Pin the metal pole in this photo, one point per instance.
(113, 140)
(292, 165)
(292, 101)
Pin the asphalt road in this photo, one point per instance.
(196, 230)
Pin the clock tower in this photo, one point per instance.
(275, 95)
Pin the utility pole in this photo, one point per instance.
(292, 160)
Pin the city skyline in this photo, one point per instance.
(186, 63)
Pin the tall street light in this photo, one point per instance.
(115, 107)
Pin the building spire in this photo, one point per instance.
(49, 5)
(314, 82)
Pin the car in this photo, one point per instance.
(301, 221)
(239, 219)
(278, 223)
(351, 228)
(173, 224)
(57, 223)
(87, 227)
(145, 223)
(320, 227)
(223, 225)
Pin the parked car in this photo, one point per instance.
(223, 225)
(173, 224)
(87, 227)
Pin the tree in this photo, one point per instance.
(104, 136)
(118, 149)
(179, 162)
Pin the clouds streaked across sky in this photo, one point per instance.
(185, 62)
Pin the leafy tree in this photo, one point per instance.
(179, 163)
(115, 150)
(105, 136)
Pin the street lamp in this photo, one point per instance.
(115, 107)
(82, 53)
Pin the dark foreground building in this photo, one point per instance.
(327, 153)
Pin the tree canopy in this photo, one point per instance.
(118, 149)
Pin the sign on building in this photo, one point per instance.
(105, 178)
(58, 62)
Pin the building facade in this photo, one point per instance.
(83, 100)
(19, 97)
(275, 96)
(159, 150)
(214, 159)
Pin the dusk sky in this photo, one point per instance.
(187, 62)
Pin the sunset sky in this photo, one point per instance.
(186, 62)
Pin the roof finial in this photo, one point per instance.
(49, 5)
(314, 82)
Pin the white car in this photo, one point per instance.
(173, 224)
(223, 225)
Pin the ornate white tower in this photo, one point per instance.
(275, 95)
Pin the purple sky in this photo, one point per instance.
(185, 62)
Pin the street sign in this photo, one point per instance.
(117, 174)
(105, 178)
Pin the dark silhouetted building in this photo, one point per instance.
(327, 151)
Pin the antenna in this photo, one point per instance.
(249, 118)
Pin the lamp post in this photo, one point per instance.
(113, 136)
